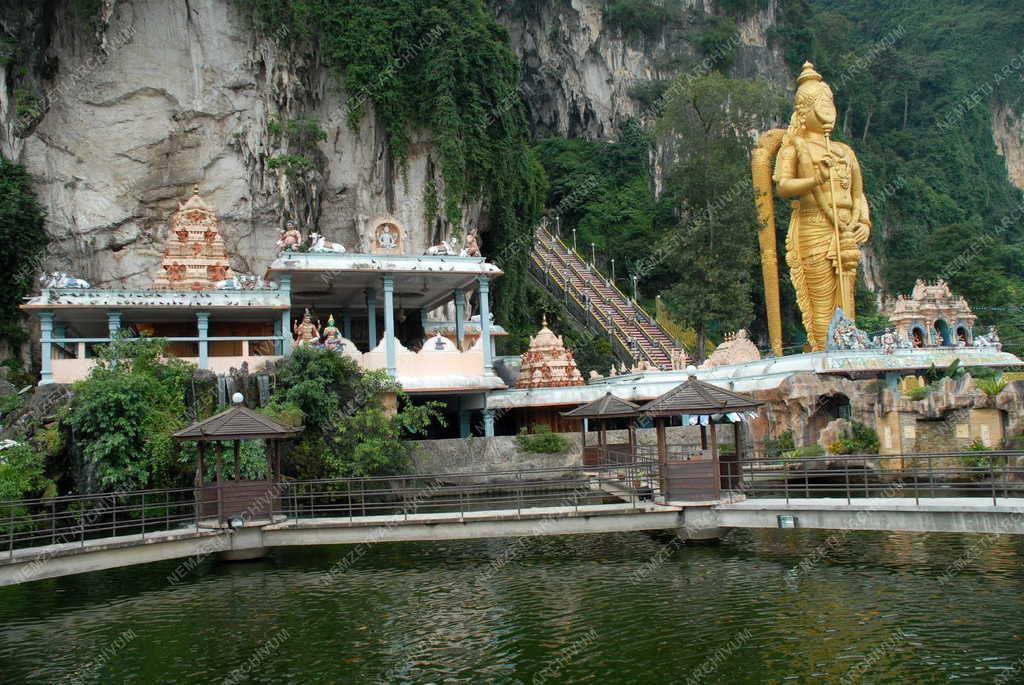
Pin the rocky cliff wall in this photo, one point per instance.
(164, 95)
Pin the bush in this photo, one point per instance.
(774, 448)
(814, 450)
(857, 439)
(21, 473)
(541, 441)
(643, 17)
(990, 386)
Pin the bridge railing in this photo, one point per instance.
(992, 474)
(75, 520)
(400, 497)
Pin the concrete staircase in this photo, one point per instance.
(597, 303)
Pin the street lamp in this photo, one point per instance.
(613, 269)
(593, 255)
(574, 240)
(634, 289)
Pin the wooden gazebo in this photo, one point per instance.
(235, 499)
(602, 410)
(698, 475)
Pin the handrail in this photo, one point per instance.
(628, 316)
(625, 335)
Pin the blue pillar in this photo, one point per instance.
(485, 325)
(113, 324)
(285, 288)
(488, 423)
(203, 326)
(278, 344)
(464, 427)
(46, 347)
(460, 316)
(371, 316)
(346, 324)
(389, 323)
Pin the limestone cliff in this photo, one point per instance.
(1008, 131)
(164, 95)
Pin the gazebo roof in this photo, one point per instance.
(237, 423)
(696, 397)
(606, 407)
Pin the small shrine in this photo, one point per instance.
(387, 237)
(548, 363)
(932, 316)
(737, 348)
(195, 257)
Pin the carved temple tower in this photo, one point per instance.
(194, 257)
(548, 363)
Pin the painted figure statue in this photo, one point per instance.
(830, 218)
(332, 336)
(291, 238)
(307, 332)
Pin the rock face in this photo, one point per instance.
(581, 76)
(170, 94)
(1008, 131)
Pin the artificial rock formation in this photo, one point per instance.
(195, 257)
(548, 363)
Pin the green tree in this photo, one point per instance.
(348, 431)
(23, 237)
(123, 414)
(705, 125)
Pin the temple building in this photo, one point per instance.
(195, 257)
(932, 316)
(548, 363)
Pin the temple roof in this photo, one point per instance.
(608, 406)
(697, 397)
(237, 423)
(548, 363)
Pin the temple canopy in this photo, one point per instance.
(695, 397)
(607, 407)
(237, 423)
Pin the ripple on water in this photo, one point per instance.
(766, 607)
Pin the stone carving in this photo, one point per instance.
(291, 238)
(319, 244)
(843, 334)
(387, 237)
(472, 248)
(306, 332)
(932, 316)
(195, 257)
(680, 360)
(991, 339)
(548, 363)
(735, 349)
(830, 218)
(59, 279)
(890, 341)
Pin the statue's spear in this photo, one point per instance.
(835, 222)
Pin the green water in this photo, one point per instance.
(759, 607)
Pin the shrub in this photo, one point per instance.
(857, 439)
(776, 447)
(541, 441)
(814, 450)
(21, 473)
(637, 16)
(990, 386)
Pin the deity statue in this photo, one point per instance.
(307, 332)
(332, 336)
(290, 239)
(889, 341)
(472, 246)
(830, 218)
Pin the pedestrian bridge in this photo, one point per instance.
(63, 536)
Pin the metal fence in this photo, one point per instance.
(992, 475)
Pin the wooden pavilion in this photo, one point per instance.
(698, 475)
(603, 410)
(237, 499)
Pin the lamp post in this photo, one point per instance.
(634, 290)
(613, 269)
(593, 255)
(574, 240)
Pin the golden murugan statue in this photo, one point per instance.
(830, 216)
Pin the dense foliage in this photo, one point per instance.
(348, 429)
(857, 439)
(23, 237)
(541, 441)
(445, 68)
(123, 414)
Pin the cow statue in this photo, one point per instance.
(319, 244)
(445, 249)
(232, 283)
(59, 279)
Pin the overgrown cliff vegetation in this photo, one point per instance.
(441, 66)
(23, 238)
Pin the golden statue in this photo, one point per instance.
(830, 216)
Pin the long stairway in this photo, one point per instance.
(595, 301)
